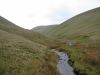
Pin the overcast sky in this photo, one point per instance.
(32, 13)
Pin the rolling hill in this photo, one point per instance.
(84, 27)
(44, 29)
(27, 52)
(24, 52)
(81, 35)
(28, 34)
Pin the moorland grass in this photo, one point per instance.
(84, 62)
(19, 56)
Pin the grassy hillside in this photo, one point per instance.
(28, 34)
(84, 27)
(44, 29)
(81, 35)
(24, 52)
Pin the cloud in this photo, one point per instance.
(31, 13)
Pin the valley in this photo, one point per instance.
(81, 40)
(28, 52)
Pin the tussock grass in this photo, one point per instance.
(19, 56)
(24, 52)
(84, 61)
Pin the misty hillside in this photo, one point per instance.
(84, 27)
(24, 52)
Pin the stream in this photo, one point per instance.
(63, 66)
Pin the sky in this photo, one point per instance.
(32, 13)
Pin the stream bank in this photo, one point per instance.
(63, 66)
